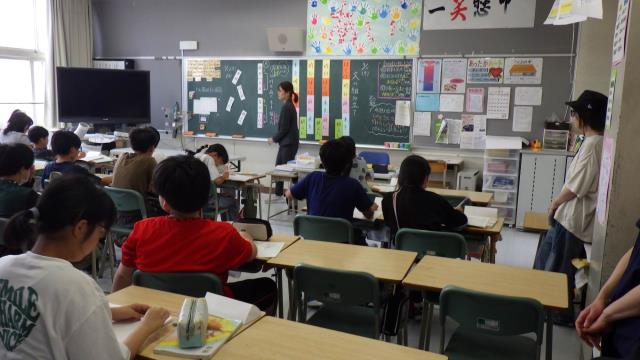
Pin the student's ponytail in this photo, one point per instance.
(20, 234)
(65, 202)
(197, 151)
(294, 97)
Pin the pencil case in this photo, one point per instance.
(192, 323)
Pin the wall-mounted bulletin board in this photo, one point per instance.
(460, 100)
(356, 97)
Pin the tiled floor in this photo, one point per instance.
(516, 249)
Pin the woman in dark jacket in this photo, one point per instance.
(287, 136)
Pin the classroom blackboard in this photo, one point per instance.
(362, 93)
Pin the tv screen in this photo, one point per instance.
(103, 96)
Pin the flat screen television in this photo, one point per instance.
(103, 96)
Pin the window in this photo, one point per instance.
(23, 42)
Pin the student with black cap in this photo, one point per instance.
(572, 212)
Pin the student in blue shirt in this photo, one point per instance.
(612, 322)
(333, 193)
(66, 146)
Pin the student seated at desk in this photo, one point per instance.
(184, 241)
(133, 171)
(50, 309)
(39, 137)
(16, 168)
(332, 193)
(216, 158)
(359, 169)
(413, 206)
(17, 126)
(66, 146)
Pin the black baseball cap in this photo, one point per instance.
(591, 106)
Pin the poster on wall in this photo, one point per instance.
(523, 71)
(428, 76)
(373, 27)
(454, 76)
(620, 32)
(478, 14)
(604, 179)
(485, 70)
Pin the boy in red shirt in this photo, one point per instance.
(185, 242)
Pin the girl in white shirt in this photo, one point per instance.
(49, 309)
(17, 126)
(216, 158)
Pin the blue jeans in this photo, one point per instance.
(557, 250)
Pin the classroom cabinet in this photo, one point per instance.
(500, 177)
(541, 178)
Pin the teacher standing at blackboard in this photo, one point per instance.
(287, 136)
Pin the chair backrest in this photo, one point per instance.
(194, 284)
(375, 157)
(491, 314)
(336, 288)
(434, 243)
(3, 224)
(127, 200)
(323, 228)
(437, 166)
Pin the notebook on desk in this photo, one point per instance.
(481, 217)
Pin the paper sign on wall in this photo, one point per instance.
(427, 102)
(485, 14)
(474, 131)
(606, 165)
(243, 114)
(498, 101)
(230, 103)
(612, 93)
(422, 124)
(338, 129)
(475, 100)
(302, 129)
(528, 96)
(403, 113)
(236, 77)
(429, 71)
(240, 92)
(485, 70)
(522, 118)
(318, 129)
(620, 32)
(523, 71)
(454, 76)
(451, 103)
(205, 105)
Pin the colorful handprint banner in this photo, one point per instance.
(364, 27)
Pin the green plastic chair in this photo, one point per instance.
(213, 213)
(345, 296)
(323, 229)
(194, 284)
(126, 201)
(433, 243)
(490, 326)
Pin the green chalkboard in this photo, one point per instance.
(367, 113)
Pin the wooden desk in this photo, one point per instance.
(494, 236)
(288, 240)
(274, 339)
(384, 264)
(170, 301)
(550, 289)
(536, 222)
(477, 198)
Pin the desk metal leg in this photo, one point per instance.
(492, 248)
(259, 199)
(549, 341)
(292, 301)
(269, 199)
(423, 322)
(280, 295)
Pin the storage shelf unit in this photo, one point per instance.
(542, 175)
(500, 177)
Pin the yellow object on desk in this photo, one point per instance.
(264, 341)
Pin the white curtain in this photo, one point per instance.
(71, 44)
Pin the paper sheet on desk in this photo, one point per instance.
(124, 328)
(268, 249)
(376, 215)
(482, 217)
